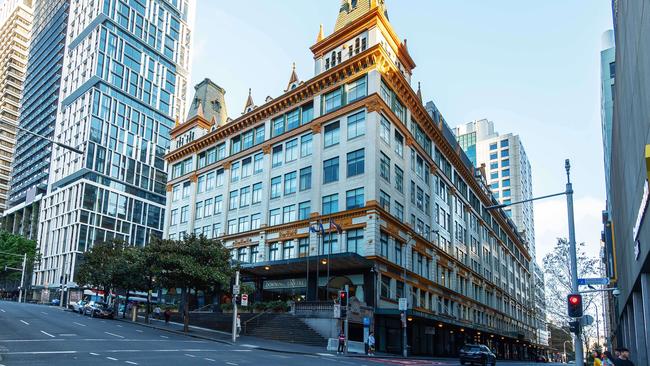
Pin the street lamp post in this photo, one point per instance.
(568, 192)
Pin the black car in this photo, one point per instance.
(477, 354)
(98, 310)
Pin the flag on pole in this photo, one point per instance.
(336, 226)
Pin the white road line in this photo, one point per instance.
(325, 354)
(42, 312)
(79, 324)
(162, 336)
(209, 359)
(131, 362)
(138, 330)
(189, 355)
(112, 359)
(24, 322)
(39, 352)
(67, 335)
(249, 346)
(241, 350)
(3, 310)
(47, 334)
(94, 354)
(231, 363)
(119, 326)
(114, 335)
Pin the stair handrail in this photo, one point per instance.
(255, 317)
(208, 306)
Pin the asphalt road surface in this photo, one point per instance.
(40, 335)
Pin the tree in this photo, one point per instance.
(195, 262)
(557, 270)
(103, 266)
(12, 249)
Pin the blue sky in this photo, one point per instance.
(531, 67)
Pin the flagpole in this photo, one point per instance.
(317, 266)
(306, 283)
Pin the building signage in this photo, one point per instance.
(641, 213)
(593, 281)
(288, 283)
(402, 304)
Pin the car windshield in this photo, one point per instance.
(471, 348)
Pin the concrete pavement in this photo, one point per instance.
(42, 335)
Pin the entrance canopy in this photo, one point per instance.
(339, 262)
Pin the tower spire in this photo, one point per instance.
(321, 34)
(249, 102)
(293, 79)
(419, 93)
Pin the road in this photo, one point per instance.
(40, 335)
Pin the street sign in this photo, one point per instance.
(366, 321)
(337, 311)
(244, 300)
(402, 304)
(235, 290)
(593, 281)
(587, 320)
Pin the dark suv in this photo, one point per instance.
(477, 354)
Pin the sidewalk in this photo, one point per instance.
(226, 338)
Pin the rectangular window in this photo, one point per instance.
(505, 163)
(355, 240)
(276, 156)
(384, 130)
(383, 242)
(306, 143)
(246, 167)
(333, 100)
(258, 165)
(494, 175)
(506, 193)
(232, 203)
(232, 226)
(304, 210)
(259, 135)
(385, 287)
(303, 247)
(184, 214)
(384, 200)
(221, 151)
(201, 184)
(186, 189)
(257, 193)
(356, 89)
(274, 252)
(244, 224)
(384, 167)
(494, 165)
(291, 150)
(399, 179)
(247, 140)
(176, 193)
(399, 144)
(331, 137)
(305, 178)
(244, 196)
(216, 230)
(356, 125)
(210, 181)
(493, 146)
(330, 204)
(220, 177)
(293, 119)
(218, 204)
(278, 126)
(198, 212)
(275, 217)
(494, 156)
(288, 250)
(234, 172)
(505, 173)
(174, 218)
(356, 163)
(398, 253)
(290, 183)
(276, 187)
(256, 221)
(289, 213)
(331, 170)
(208, 209)
(506, 183)
(399, 211)
(354, 199)
(505, 153)
(235, 145)
(504, 143)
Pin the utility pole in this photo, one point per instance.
(235, 292)
(577, 343)
(22, 279)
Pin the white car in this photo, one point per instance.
(78, 307)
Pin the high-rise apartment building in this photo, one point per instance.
(124, 80)
(507, 170)
(15, 28)
(39, 107)
(345, 179)
(607, 79)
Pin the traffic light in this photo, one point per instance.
(343, 301)
(574, 327)
(574, 302)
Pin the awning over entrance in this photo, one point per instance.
(298, 266)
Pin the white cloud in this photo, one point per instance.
(551, 222)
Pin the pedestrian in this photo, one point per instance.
(238, 324)
(597, 361)
(341, 348)
(608, 359)
(168, 315)
(371, 344)
(156, 312)
(624, 358)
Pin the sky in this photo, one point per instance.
(531, 67)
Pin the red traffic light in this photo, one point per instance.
(574, 300)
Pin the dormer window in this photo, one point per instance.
(363, 44)
(333, 58)
(327, 63)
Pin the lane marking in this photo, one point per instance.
(24, 322)
(42, 312)
(162, 336)
(47, 334)
(231, 363)
(209, 359)
(40, 352)
(189, 355)
(114, 335)
(325, 354)
(79, 324)
(119, 326)
(139, 331)
(241, 350)
(67, 335)
(131, 362)
(112, 359)
(3, 310)
(249, 346)
(94, 354)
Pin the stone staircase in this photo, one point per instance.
(284, 328)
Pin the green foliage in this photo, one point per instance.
(104, 266)
(12, 248)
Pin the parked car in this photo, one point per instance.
(55, 302)
(477, 354)
(78, 307)
(98, 310)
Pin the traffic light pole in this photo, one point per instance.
(22, 280)
(234, 308)
(347, 303)
(577, 343)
